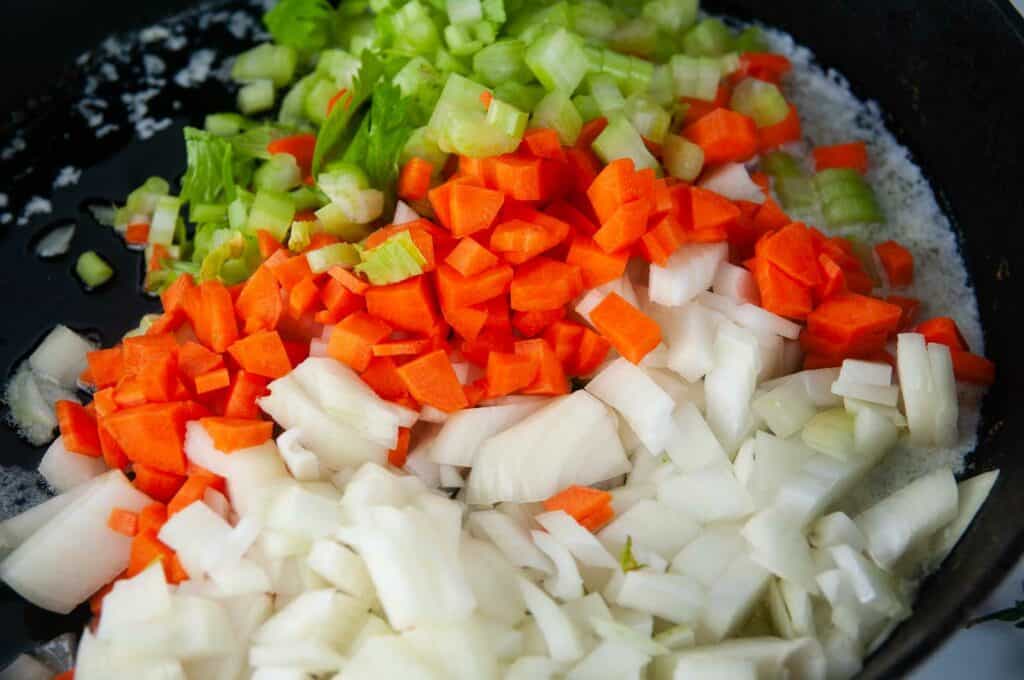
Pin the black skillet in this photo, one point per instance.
(946, 74)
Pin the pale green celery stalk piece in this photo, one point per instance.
(93, 269)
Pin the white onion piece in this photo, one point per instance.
(836, 529)
(637, 398)
(404, 214)
(971, 494)
(63, 469)
(464, 432)
(771, 657)
(947, 406)
(389, 657)
(762, 321)
(866, 372)
(779, 545)
(61, 356)
(533, 668)
(304, 655)
(464, 651)
(15, 530)
(75, 553)
(884, 395)
(670, 596)
(733, 181)
(324, 616)
(30, 412)
(917, 386)
(688, 272)
(583, 545)
(196, 533)
(711, 667)
(911, 514)
(341, 567)
(730, 384)
(709, 495)
(571, 440)
(318, 348)
(565, 583)
(562, 638)
(791, 609)
(690, 334)
(651, 525)
(872, 586)
(301, 462)
(732, 596)
(785, 409)
(493, 580)
(610, 660)
(735, 283)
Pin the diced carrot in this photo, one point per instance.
(629, 330)
(214, 380)
(942, 330)
(624, 227)
(780, 293)
(591, 130)
(339, 300)
(834, 279)
(791, 250)
(232, 434)
(398, 455)
(78, 429)
(353, 339)
(765, 66)
(191, 491)
(268, 244)
(473, 209)
(564, 338)
(612, 188)
(724, 136)
(113, 454)
(550, 379)
(525, 178)
(158, 258)
(508, 373)
(299, 146)
(289, 271)
(698, 108)
(592, 352)
(153, 434)
(128, 392)
(167, 322)
(242, 395)
(152, 517)
(66, 675)
(909, 306)
(853, 155)
(662, 240)
(583, 166)
(141, 348)
(103, 401)
(519, 240)
(157, 484)
(456, 290)
(105, 366)
(709, 210)
(382, 376)
(476, 351)
(787, 130)
(146, 549)
(566, 212)
(262, 353)
(543, 143)
(770, 216)
(349, 280)
(972, 368)
(597, 519)
(578, 501)
(470, 258)
(431, 380)
(259, 305)
(531, 324)
(158, 378)
(303, 297)
(544, 284)
(476, 392)
(218, 311)
(408, 305)
(398, 348)
(467, 321)
(414, 180)
(897, 262)
(123, 521)
(848, 319)
(194, 360)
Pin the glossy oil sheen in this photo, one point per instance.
(947, 75)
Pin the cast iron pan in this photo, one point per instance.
(947, 75)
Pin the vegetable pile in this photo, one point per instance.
(495, 353)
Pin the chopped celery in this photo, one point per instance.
(494, 10)
(461, 41)
(671, 15)
(556, 111)
(695, 77)
(662, 88)
(300, 234)
(238, 213)
(621, 140)
(759, 100)
(683, 159)
(750, 40)
(208, 212)
(275, 63)
(336, 222)
(507, 118)
(292, 111)
(318, 97)
(419, 79)
(593, 20)
(846, 198)
(794, 188)
(414, 29)
(649, 119)
(280, 173)
(709, 38)
(395, 260)
(521, 96)
(781, 164)
(336, 254)
(272, 211)
(93, 269)
(340, 176)
(307, 198)
(303, 24)
(528, 24)
(637, 36)
(256, 97)
(422, 145)
(606, 93)
(464, 11)
(472, 135)
(558, 60)
(587, 106)
(502, 62)
(165, 219)
(338, 65)
(485, 31)
(142, 201)
(226, 124)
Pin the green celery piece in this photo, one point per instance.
(201, 213)
(280, 173)
(502, 62)
(422, 145)
(226, 124)
(524, 97)
(750, 39)
(337, 254)
(556, 111)
(334, 129)
(852, 210)
(307, 198)
(414, 31)
(340, 66)
(252, 144)
(795, 192)
(318, 98)
(558, 60)
(143, 200)
(460, 41)
(626, 559)
(275, 63)
(165, 220)
(209, 175)
(587, 106)
(292, 111)
(782, 164)
(638, 36)
(494, 10)
(709, 38)
(761, 101)
(93, 269)
(299, 235)
(226, 244)
(507, 118)
(621, 140)
(671, 15)
(272, 211)
(536, 18)
(649, 119)
(393, 261)
(464, 11)
(256, 97)
(306, 25)
(594, 20)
